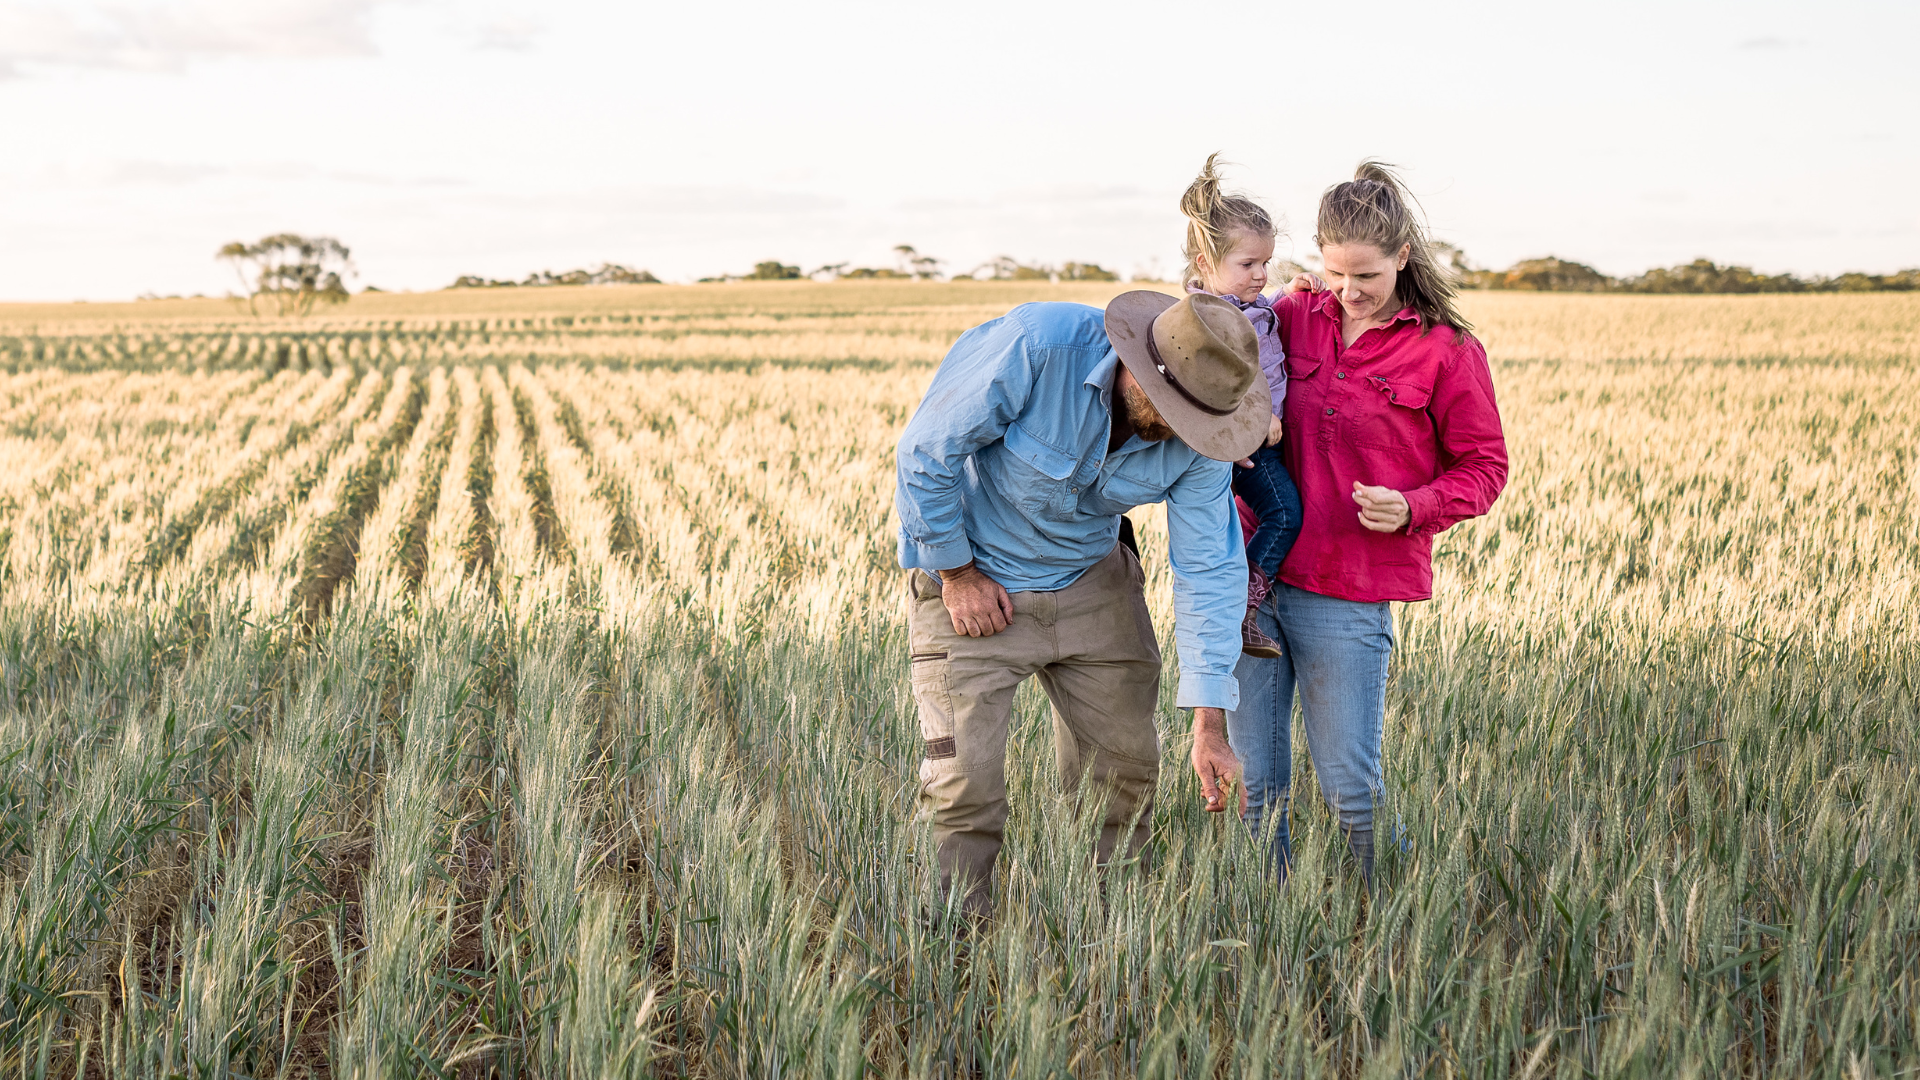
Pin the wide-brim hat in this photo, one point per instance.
(1198, 359)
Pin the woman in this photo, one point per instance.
(1392, 435)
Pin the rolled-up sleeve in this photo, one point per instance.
(980, 387)
(1209, 584)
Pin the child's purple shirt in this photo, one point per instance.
(1266, 327)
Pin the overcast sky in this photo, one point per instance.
(497, 137)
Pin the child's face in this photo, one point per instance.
(1243, 272)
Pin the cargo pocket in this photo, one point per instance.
(933, 695)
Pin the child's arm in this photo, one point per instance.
(1304, 280)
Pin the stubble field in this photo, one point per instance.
(514, 683)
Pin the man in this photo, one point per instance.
(1040, 430)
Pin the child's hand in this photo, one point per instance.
(1275, 429)
(1309, 282)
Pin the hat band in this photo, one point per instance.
(1160, 365)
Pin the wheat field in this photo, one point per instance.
(513, 683)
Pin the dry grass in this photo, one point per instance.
(512, 683)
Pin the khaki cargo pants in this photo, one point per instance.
(1092, 646)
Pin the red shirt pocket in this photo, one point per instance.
(1394, 417)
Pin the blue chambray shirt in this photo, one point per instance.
(1005, 464)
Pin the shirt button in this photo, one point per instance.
(1339, 374)
(1329, 412)
(1073, 491)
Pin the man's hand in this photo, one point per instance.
(977, 604)
(1381, 509)
(1214, 760)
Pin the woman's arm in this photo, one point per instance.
(1473, 448)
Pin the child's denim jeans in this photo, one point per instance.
(1276, 502)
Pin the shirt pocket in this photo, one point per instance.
(1039, 470)
(1395, 416)
(1304, 398)
(1119, 493)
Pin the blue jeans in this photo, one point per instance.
(1336, 653)
(1270, 491)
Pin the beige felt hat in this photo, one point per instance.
(1199, 361)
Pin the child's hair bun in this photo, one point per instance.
(1213, 217)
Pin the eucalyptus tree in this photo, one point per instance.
(295, 272)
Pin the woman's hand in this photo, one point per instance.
(1304, 281)
(1381, 509)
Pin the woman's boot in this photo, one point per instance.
(1360, 843)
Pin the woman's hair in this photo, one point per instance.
(1374, 208)
(1214, 217)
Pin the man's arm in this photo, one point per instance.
(980, 387)
(1209, 584)
(1209, 600)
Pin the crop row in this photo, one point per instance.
(535, 720)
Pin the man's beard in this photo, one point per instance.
(1146, 420)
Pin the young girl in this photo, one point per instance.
(1229, 243)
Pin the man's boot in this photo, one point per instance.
(1253, 640)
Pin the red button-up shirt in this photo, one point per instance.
(1398, 408)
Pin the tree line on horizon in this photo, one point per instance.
(1701, 276)
(1548, 274)
(606, 274)
(295, 273)
(910, 265)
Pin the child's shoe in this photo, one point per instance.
(1253, 640)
